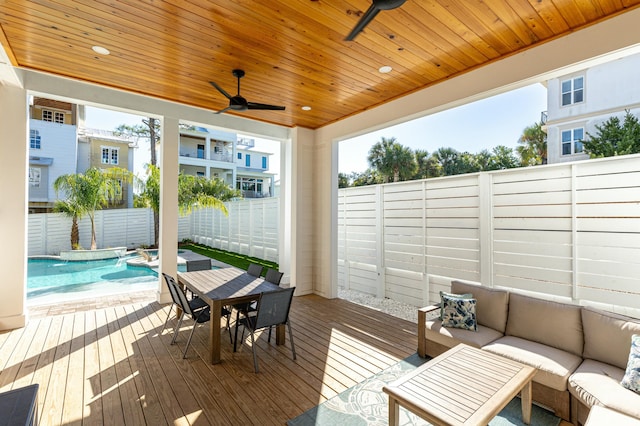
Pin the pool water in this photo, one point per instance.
(52, 279)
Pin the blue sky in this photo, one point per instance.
(483, 124)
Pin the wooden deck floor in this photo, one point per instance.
(112, 365)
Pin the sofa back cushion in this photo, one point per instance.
(607, 336)
(558, 325)
(492, 305)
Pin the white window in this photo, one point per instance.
(53, 116)
(34, 176)
(109, 155)
(573, 91)
(572, 141)
(34, 139)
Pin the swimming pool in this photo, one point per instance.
(50, 280)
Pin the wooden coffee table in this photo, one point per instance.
(463, 386)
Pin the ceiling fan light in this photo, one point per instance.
(306, 108)
(385, 69)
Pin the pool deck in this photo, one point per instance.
(183, 257)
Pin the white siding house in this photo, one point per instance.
(219, 154)
(252, 178)
(579, 101)
(52, 153)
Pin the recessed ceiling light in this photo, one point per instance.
(385, 69)
(101, 50)
(306, 108)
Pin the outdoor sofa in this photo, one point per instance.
(580, 353)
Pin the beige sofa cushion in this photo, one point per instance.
(607, 336)
(558, 325)
(450, 337)
(492, 305)
(599, 416)
(597, 383)
(554, 365)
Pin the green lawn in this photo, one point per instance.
(233, 259)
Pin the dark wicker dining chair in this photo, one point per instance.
(254, 270)
(198, 265)
(274, 277)
(195, 308)
(273, 310)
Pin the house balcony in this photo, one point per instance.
(194, 154)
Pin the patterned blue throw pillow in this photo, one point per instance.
(451, 295)
(459, 313)
(631, 379)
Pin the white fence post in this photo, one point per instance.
(380, 264)
(485, 183)
(425, 265)
(574, 239)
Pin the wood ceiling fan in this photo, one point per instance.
(237, 102)
(376, 6)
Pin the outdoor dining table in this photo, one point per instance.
(222, 287)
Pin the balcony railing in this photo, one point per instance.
(225, 157)
(249, 143)
(106, 134)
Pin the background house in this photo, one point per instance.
(219, 154)
(59, 144)
(105, 149)
(578, 101)
(253, 179)
(52, 149)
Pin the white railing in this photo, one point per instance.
(570, 231)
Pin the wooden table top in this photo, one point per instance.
(225, 284)
(463, 386)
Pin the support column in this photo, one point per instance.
(14, 156)
(297, 221)
(168, 240)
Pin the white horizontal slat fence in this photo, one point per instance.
(567, 232)
(50, 233)
(251, 228)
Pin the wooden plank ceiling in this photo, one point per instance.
(293, 52)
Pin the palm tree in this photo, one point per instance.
(70, 207)
(92, 191)
(193, 192)
(449, 161)
(193, 195)
(392, 159)
(533, 145)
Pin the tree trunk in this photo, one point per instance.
(152, 139)
(156, 227)
(94, 245)
(75, 233)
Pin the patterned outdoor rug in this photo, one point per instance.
(366, 404)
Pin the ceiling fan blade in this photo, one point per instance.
(220, 89)
(254, 105)
(363, 22)
(223, 110)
